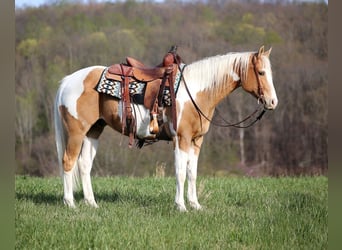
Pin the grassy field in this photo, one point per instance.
(139, 213)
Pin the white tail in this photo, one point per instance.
(59, 130)
(60, 135)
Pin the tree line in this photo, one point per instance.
(59, 38)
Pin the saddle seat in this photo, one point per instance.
(117, 71)
(135, 63)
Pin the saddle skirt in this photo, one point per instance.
(136, 88)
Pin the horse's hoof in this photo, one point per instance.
(181, 208)
(69, 203)
(196, 206)
(91, 203)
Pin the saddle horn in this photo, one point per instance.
(173, 49)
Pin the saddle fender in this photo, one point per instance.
(151, 93)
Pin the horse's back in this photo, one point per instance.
(72, 87)
(74, 83)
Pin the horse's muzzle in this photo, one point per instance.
(270, 103)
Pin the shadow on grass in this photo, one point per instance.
(40, 198)
(139, 199)
(114, 197)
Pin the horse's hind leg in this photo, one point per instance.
(71, 154)
(86, 158)
(85, 162)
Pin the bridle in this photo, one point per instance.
(226, 123)
(260, 90)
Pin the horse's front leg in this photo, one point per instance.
(192, 177)
(192, 173)
(181, 161)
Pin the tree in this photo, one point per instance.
(55, 40)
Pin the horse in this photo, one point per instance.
(81, 113)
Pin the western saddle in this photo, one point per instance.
(156, 79)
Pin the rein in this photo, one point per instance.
(226, 123)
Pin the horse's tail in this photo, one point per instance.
(60, 134)
(59, 129)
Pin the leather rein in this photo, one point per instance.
(226, 123)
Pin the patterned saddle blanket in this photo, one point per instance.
(136, 88)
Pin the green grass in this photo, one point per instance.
(239, 213)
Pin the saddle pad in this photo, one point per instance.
(113, 88)
(136, 89)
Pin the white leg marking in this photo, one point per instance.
(192, 177)
(85, 162)
(181, 160)
(68, 188)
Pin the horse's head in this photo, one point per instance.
(259, 80)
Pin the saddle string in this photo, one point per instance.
(226, 123)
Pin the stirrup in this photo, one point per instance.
(154, 128)
(160, 115)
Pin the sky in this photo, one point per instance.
(36, 3)
(22, 3)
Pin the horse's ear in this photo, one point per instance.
(261, 50)
(268, 52)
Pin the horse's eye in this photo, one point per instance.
(261, 73)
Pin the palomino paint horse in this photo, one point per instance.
(81, 113)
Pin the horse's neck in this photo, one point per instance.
(214, 76)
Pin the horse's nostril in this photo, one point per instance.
(274, 102)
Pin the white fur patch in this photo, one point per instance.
(268, 73)
(71, 89)
(143, 120)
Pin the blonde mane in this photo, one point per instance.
(216, 72)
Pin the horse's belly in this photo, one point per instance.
(143, 121)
